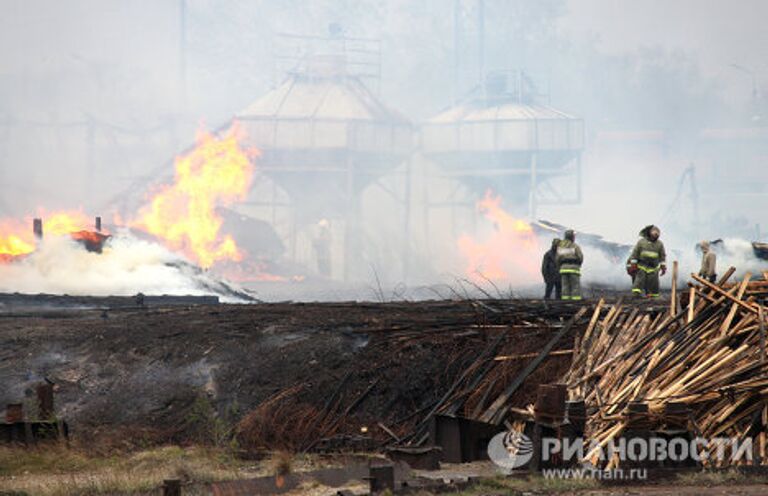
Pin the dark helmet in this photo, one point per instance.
(570, 235)
(647, 230)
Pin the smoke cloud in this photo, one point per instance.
(127, 266)
(98, 96)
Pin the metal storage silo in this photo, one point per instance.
(506, 142)
(325, 137)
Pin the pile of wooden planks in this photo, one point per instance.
(710, 357)
(491, 385)
(757, 288)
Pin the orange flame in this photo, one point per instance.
(217, 172)
(62, 223)
(12, 245)
(17, 239)
(511, 250)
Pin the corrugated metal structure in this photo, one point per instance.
(325, 137)
(504, 128)
(506, 142)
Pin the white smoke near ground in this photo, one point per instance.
(126, 266)
(90, 104)
(733, 252)
(601, 269)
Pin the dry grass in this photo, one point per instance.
(512, 486)
(58, 470)
(720, 478)
(300, 423)
(54, 471)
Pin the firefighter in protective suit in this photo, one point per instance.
(569, 259)
(549, 271)
(647, 261)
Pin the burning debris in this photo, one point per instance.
(182, 217)
(120, 264)
(217, 172)
(16, 240)
(509, 252)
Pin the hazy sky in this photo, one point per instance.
(62, 61)
(717, 32)
(130, 47)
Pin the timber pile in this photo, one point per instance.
(709, 357)
(483, 391)
(758, 289)
(493, 385)
(418, 359)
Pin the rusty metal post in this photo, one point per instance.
(98, 224)
(550, 403)
(172, 487)
(45, 401)
(381, 478)
(37, 228)
(14, 413)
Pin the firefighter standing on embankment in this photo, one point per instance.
(708, 262)
(550, 273)
(569, 259)
(647, 261)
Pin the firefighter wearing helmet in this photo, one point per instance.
(647, 261)
(569, 259)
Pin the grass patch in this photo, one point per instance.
(57, 470)
(513, 486)
(719, 478)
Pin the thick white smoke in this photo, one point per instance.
(601, 270)
(733, 252)
(126, 267)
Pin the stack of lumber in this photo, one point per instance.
(757, 288)
(498, 380)
(710, 356)
(486, 389)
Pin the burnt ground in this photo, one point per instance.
(300, 373)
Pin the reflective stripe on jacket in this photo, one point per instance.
(569, 257)
(648, 255)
